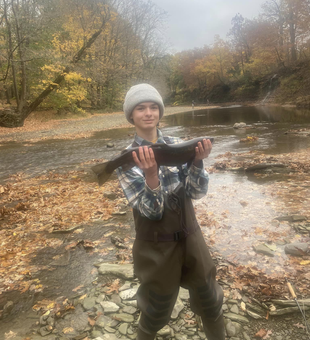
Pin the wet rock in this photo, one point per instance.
(116, 299)
(110, 195)
(100, 298)
(298, 218)
(109, 307)
(96, 334)
(240, 125)
(178, 307)
(129, 310)
(236, 317)
(89, 303)
(123, 317)
(202, 335)
(43, 318)
(180, 337)
(102, 321)
(110, 145)
(129, 294)
(263, 249)
(297, 249)
(124, 271)
(123, 328)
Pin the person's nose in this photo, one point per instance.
(148, 112)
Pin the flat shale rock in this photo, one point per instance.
(124, 271)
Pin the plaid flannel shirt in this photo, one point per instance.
(150, 202)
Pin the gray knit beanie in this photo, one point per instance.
(139, 94)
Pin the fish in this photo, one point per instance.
(165, 154)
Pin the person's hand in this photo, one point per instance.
(147, 163)
(202, 151)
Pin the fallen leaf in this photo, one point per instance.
(261, 333)
(299, 325)
(68, 330)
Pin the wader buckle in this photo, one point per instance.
(178, 235)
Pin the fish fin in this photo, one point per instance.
(101, 171)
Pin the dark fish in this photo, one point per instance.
(165, 154)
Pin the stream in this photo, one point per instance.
(240, 225)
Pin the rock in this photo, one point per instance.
(178, 307)
(183, 294)
(123, 317)
(233, 328)
(109, 307)
(102, 321)
(298, 218)
(109, 329)
(89, 303)
(202, 335)
(110, 145)
(236, 317)
(297, 249)
(123, 328)
(100, 298)
(129, 294)
(180, 337)
(124, 271)
(110, 195)
(129, 310)
(130, 303)
(109, 337)
(246, 337)
(262, 249)
(240, 125)
(7, 309)
(125, 286)
(164, 331)
(45, 330)
(305, 302)
(116, 299)
(254, 315)
(234, 309)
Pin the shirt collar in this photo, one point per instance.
(141, 141)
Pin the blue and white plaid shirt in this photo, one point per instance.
(150, 202)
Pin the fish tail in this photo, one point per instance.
(101, 171)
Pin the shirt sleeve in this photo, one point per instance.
(197, 181)
(149, 202)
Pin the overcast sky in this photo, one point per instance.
(194, 23)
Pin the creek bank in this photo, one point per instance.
(108, 311)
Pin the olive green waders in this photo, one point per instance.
(170, 253)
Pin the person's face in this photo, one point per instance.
(146, 116)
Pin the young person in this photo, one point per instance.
(169, 250)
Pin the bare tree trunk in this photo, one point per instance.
(292, 33)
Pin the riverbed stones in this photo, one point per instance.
(297, 249)
(102, 321)
(233, 328)
(234, 309)
(164, 331)
(183, 293)
(109, 307)
(124, 271)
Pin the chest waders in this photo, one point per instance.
(170, 253)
